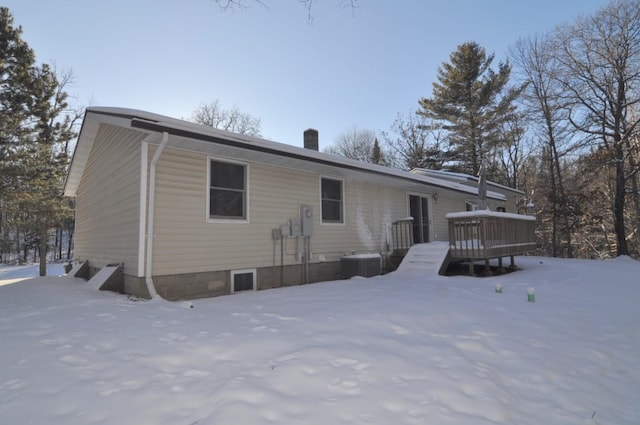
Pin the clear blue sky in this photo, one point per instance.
(343, 70)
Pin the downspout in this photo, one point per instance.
(151, 213)
(307, 258)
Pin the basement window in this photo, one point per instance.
(243, 280)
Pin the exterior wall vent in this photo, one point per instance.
(311, 139)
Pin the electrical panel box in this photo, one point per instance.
(285, 230)
(295, 227)
(306, 217)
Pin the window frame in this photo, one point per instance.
(227, 219)
(340, 222)
(233, 273)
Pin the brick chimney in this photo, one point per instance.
(311, 139)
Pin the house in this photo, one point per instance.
(514, 197)
(191, 211)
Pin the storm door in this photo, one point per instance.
(419, 210)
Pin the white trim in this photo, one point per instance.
(244, 271)
(144, 164)
(429, 198)
(247, 175)
(343, 188)
(473, 203)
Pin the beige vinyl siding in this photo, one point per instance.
(107, 210)
(186, 241)
(511, 204)
(369, 211)
(448, 201)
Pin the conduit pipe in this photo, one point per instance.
(150, 215)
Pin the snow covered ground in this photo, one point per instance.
(15, 274)
(395, 349)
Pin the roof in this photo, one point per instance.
(461, 177)
(199, 138)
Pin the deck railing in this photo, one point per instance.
(402, 235)
(479, 235)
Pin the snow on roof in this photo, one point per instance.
(487, 213)
(155, 123)
(450, 175)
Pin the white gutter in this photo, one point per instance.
(150, 215)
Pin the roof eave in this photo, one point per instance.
(153, 123)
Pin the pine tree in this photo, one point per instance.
(47, 161)
(34, 133)
(470, 101)
(376, 155)
(16, 60)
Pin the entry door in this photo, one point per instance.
(419, 210)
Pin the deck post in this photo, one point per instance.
(513, 263)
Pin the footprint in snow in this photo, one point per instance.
(194, 373)
(72, 360)
(173, 337)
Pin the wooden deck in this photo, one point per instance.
(474, 236)
(485, 235)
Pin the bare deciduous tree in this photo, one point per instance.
(536, 57)
(511, 152)
(415, 143)
(226, 5)
(358, 144)
(600, 77)
(214, 115)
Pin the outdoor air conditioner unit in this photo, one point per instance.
(364, 265)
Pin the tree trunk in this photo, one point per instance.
(554, 207)
(18, 243)
(635, 193)
(564, 204)
(59, 242)
(43, 251)
(69, 243)
(618, 204)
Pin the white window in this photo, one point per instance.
(471, 206)
(227, 190)
(331, 196)
(243, 280)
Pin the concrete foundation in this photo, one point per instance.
(212, 284)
